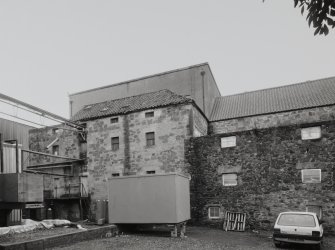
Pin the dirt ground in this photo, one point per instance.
(197, 238)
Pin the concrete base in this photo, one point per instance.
(62, 239)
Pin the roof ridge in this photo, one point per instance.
(128, 97)
(141, 78)
(277, 87)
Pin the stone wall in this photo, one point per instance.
(171, 126)
(56, 185)
(200, 123)
(39, 139)
(273, 120)
(268, 165)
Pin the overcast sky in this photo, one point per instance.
(49, 49)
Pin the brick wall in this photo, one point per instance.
(268, 164)
(273, 120)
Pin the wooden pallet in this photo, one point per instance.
(234, 221)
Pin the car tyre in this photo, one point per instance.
(277, 244)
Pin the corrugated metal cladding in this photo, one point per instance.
(15, 217)
(9, 158)
(15, 131)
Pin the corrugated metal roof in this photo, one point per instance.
(130, 104)
(291, 97)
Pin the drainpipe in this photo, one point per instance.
(203, 90)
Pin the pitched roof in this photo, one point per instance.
(130, 104)
(290, 97)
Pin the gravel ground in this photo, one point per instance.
(39, 233)
(197, 238)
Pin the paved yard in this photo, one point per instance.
(197, 238)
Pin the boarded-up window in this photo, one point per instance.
(311, 175)
(310, 133)
(115, 143)
(229, 141)
(214, 212)
(229, 179)
(150, 138)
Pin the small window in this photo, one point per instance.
(104, 109)
(55, 131)
(151, 172)
(115, 143)
(115, 120)
(150, 138)
(227, 142)
(115, 174)
(149, 114)
(310, 133)
(214, 212)
(55, 150)
(229, 179)
(311, 175)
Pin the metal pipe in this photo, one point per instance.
(51, 155)
(54, 164)
(46, 173)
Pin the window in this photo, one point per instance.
(214, 212)
(296, 220)
(151, 172)
(311, 175)
(149, 114)
(55, 150)
(115, 174)
(229, 179)
(115, 143)
(55, 131)
(310, 133)
(227, 142)
(115, 120)
(150, 138)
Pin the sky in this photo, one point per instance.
(49, 49)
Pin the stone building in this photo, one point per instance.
(260, 152)
(267, 151)
(141, 134)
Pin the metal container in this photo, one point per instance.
(149, 199)
(22, 187)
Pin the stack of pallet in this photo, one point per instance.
(234, 221)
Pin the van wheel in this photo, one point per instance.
(277, 244)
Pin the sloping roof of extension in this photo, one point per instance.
(286, 98)
(126, 105)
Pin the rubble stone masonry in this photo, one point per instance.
(273, 120)
(268, 164)
(171, 126)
